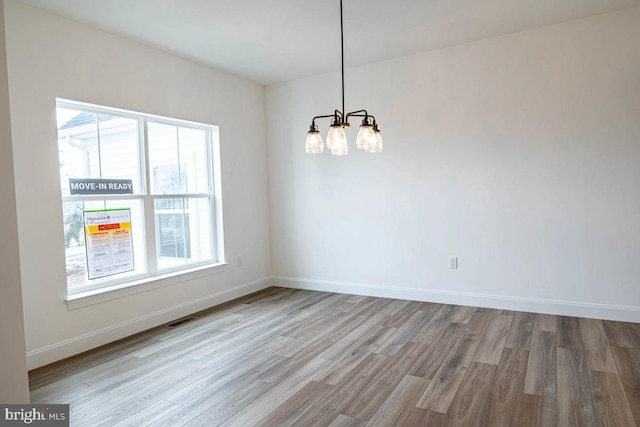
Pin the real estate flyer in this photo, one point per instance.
(108, 242)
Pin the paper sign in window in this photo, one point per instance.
(108, 242)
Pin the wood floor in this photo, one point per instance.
(289, 357)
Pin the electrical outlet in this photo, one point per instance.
(239, 261)
(453, 263)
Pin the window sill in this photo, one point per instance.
(121, 290)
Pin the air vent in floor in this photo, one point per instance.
(180, 322)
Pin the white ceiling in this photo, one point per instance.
(269, 41)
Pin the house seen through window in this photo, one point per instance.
(157, 173)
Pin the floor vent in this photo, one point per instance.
(180, 322)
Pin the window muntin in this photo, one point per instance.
(173, 223)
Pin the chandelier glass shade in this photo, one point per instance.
(314, 144)
(337, 140)
(366, 137)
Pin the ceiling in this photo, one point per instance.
(270, 41)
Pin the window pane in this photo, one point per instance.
(75, 251)
(193, 160)
(183, 231)
(97, 146)
(172, 233)
(119, 149)
(199, 213)
(163, 159)
(178, 159)
(77, 145)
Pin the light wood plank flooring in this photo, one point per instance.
(289, 357)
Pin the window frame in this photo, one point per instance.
(147, 201)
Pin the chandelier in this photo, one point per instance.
(368, 138)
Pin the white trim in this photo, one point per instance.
(120, 290)
(501, 302)
(54, 352)
(213, 150)
(131, 114)
(70, 347)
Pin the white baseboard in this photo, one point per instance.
(76, 345)
(501, 302)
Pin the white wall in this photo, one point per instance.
(14, 386)
(518, 154)
(51, 57)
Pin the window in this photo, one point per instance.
(168, 168)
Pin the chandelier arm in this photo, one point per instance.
(365, 115)
(313, 127)
(313, 121)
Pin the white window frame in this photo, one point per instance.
(113, 283)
